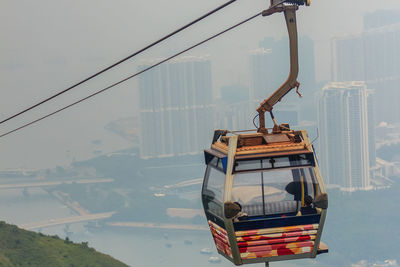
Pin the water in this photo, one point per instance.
(17, 207)
(135, 247)
(154, 248)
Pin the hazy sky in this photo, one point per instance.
(48, 45)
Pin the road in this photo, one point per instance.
(185, 183)
(73, 219)
(53, 183)
(73, 205)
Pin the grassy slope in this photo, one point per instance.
(25, 248)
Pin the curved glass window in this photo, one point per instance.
(212, 194)
(247, 188)
(275, 183)
(279, 191)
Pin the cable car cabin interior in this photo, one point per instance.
(264, 197)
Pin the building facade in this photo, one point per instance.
(263, 81)
(233, 108)
(176, 110)
(372, 56)
(344, 139)
(269, 68)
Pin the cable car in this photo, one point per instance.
(263, 194)
(264, 197)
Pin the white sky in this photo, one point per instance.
(48, 45)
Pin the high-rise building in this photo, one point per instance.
(270, 67)
(344, 138)
(380, 18)
(373, 56)
(279, 60)
(234, 116)
(233, 109)
(382, 70)
(348, 58)
(266, 74)
(262, 74)
(176, 110)
(371, 127)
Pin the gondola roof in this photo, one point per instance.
(254, 145)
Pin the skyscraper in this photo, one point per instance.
(380, 18)
(343, 143)
(270, 67)
(279, 62)
(233, 109)
(371, 127)
(373, 56)
(262, 74)
(268, 73)
(382, 70)
(348, 58)
(176, 109)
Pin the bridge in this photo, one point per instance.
(66, 220)
(169, 226)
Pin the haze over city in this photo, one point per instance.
(48, 46)
(127, 166)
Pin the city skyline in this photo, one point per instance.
(37, 62)
(135, 154)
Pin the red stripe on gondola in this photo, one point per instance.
(276, 241)
(276, 235)
(268, 248)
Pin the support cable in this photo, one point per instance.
(119, 62)
(132, 76)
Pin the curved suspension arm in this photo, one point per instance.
(291, 82)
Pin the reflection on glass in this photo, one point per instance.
(247, 189)
(213, 191)
(244, 165)
(275, 183)
(215, 183)
(214, 162)
(280, 162)
(274, 162)
(275, 191)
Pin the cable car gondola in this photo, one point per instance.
(263, 194)
(272, 181)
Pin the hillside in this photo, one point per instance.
(19, 247)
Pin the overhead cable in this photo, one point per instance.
(121, 61)
(133, 75)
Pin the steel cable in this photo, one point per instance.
(119, 62)
(131, 76)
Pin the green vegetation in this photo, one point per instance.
(25, 248)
